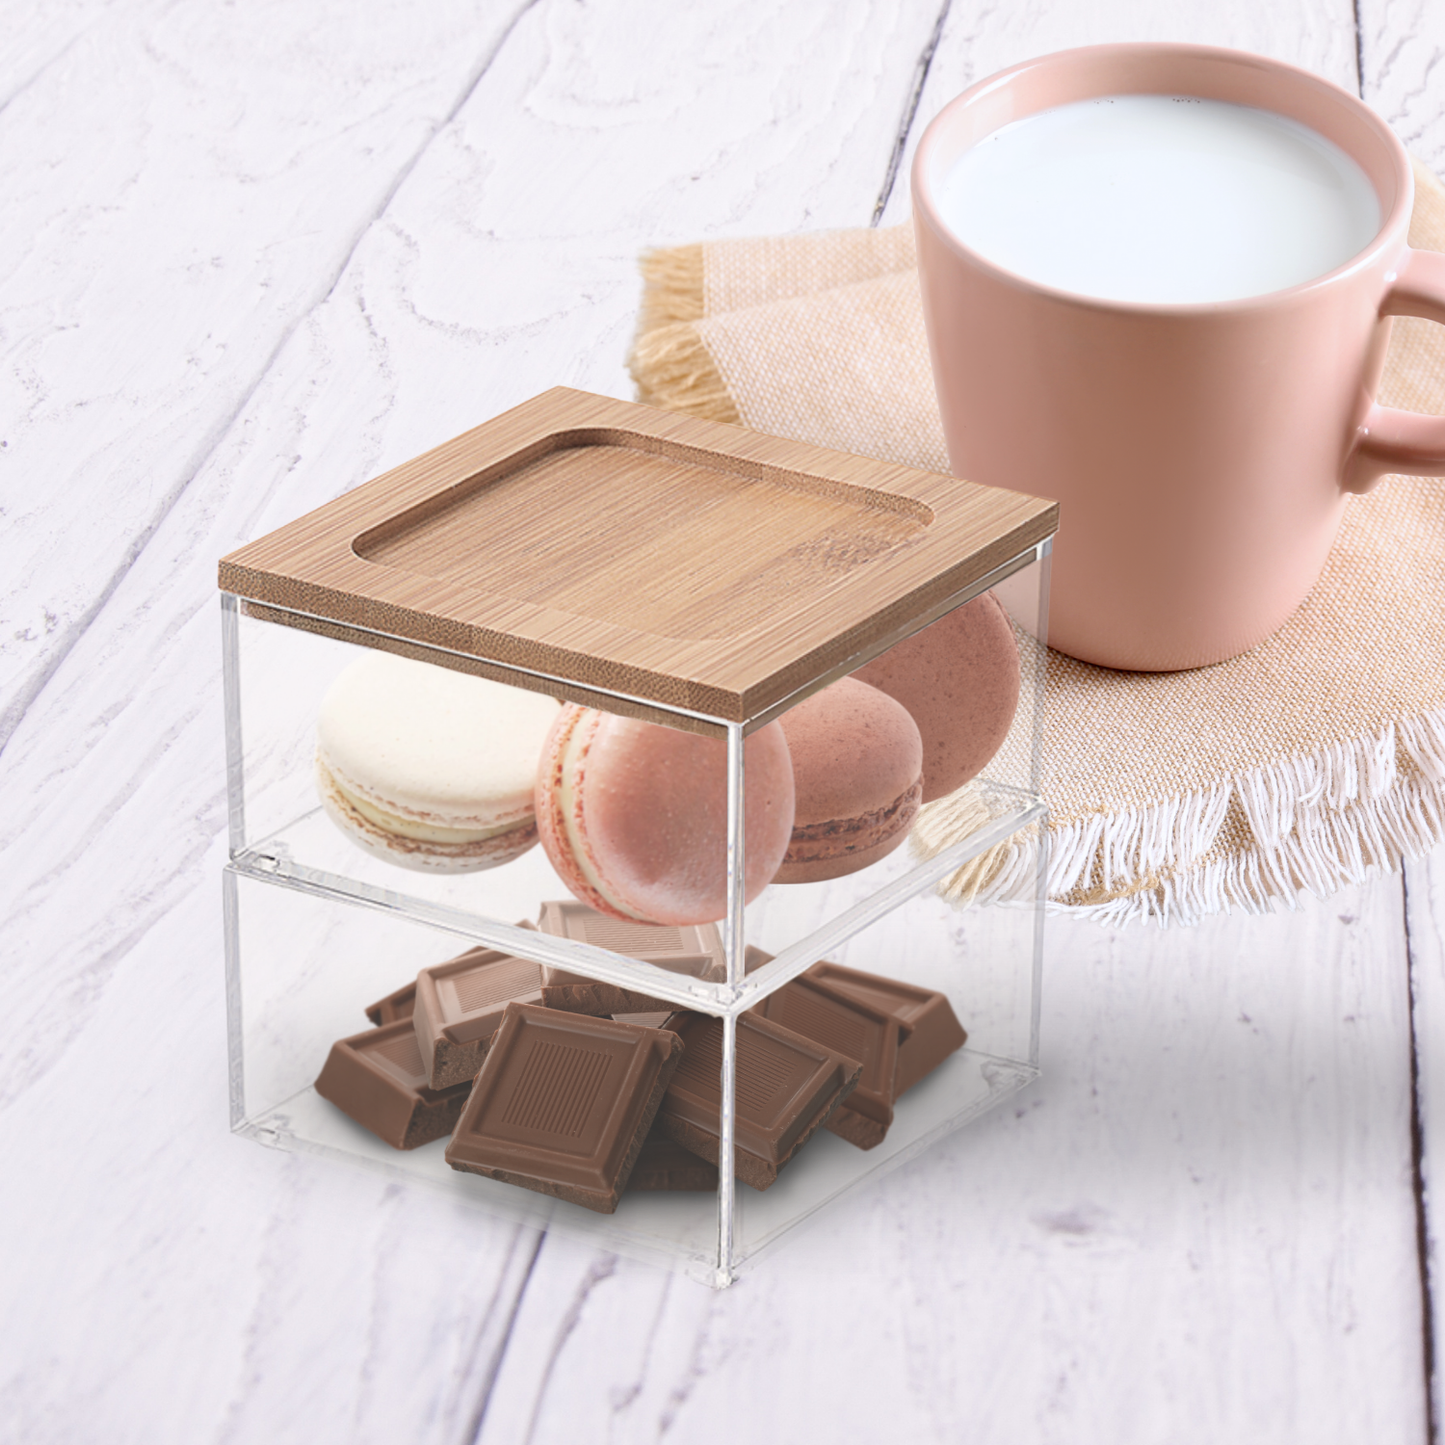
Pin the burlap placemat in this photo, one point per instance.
(1306, 764)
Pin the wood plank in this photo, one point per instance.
(225, 1290)
(218, 273)
(1197, 1227)
(184, 185)
(85, 801)
(980, 39)
(233, 1293)
(1401, 49)
(1216, 1297)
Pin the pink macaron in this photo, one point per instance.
(633, 816)
(959, 678)
(858, 774)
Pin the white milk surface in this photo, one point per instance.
(1159, 199)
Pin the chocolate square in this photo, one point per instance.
(379, 1080)
(786, 1087)
(857, 1030)
(563, 1103)
(664, 1166)
(459, 1006)
(646, 1021)
(693, 949)
(931, 1030)
(395, 1006)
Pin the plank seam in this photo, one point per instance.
(14, 714)
(910, 110)
(1417, 1180)
(494, 1365)
(1359, 52)
(602, 1268)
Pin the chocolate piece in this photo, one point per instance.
(786, 1087)
(691, 949)
(378, 1078)
(459, 1006)
(646, 1021)
(664, 1165)
(563, 1103)
(931, 1028)
(856, 1029)
(395, 1006)
(858, 1129)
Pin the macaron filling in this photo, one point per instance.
(404, 826)
(838, 837)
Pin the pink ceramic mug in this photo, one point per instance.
(1203, 453)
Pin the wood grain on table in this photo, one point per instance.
(256, 254)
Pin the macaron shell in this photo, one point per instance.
(418, 854)
(857, 771)
(960, 679)
(634, 816)
(432, 745)
(427, 768)
(555, 804)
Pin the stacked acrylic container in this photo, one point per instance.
(544, 550)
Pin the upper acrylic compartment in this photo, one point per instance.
(658, 568)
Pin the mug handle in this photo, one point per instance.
(1389, 440)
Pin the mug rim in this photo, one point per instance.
(1394, 222)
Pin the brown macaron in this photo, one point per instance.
(857, 778)
(959, 678)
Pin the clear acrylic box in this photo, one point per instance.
(801, 566)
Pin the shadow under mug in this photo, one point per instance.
(1202, 453)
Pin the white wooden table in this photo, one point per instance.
(253, 254)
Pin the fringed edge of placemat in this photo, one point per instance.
(673, 286)
(669, 361)
(673, 369)
(1300, 825)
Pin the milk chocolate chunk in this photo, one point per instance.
(665, 1166)
(647, 1021)
(459, 1006)
(786, 1087)
(563, 1104)
(379, 1080)
(855, 1029)
(931, 1030)
(395, 1006)
(694, 949)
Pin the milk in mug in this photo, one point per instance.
(1159, 199)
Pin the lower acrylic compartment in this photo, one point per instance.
(303, 963)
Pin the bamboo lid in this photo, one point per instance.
(614, 548)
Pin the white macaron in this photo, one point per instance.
(428, 768)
